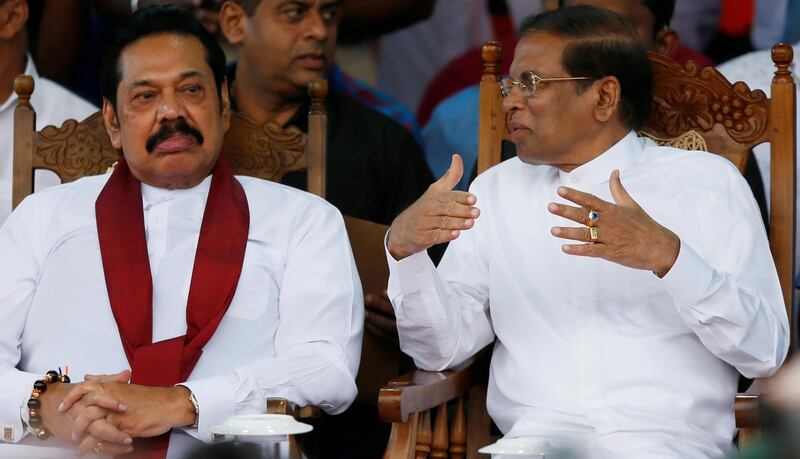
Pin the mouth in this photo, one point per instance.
(175, 144)
(517, 128)
(311, 61)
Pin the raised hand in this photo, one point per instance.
(624, 233)
(438, 216)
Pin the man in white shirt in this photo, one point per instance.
(234, 287)
(53, 103)
(621, 336)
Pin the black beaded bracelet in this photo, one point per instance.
(34, 404)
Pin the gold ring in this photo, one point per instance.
(592, 218)
(98, 447)
(593, 233)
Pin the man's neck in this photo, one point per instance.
(593, 146)
(259, 103)
(12, 63)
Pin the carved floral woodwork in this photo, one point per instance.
(266, 151)
(687, 98)
(76, 149)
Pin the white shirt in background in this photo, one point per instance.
(293, 329)
(54, 105)
(623, 363)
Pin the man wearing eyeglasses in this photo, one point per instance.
(625, 285)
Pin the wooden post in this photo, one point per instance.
(316, 146)
(492, 120)
(458, 432)
(783, 171)
(440, 442)
(24, 130)
(423, 446)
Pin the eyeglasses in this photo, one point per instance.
(528, 81)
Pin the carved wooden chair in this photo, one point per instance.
(692, 108)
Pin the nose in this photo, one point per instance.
(316, 28)
(514, 100)
(170, 107)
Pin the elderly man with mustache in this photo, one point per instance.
(183, 293)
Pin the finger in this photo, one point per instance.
(104, 400)
(89, 443)
(442, 236)
(585, 250)
(454, 208)
(123, 377)
(87, 416)
(576, 214)
(618, 192)
(76, 394)
(447, 223)
(103, 430)
(453, 175)
(576, 234)
(580, 198)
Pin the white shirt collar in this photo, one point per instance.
(153, 195)
(621, 155)
(30, 69)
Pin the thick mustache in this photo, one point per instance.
(169, 129)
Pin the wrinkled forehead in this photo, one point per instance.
(541, 53)
(163, 56)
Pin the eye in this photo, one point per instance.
(193, 89)
(143, 96)
(330, 14)
(294, 13)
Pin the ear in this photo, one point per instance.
(232, 19)
(609, 94)
(226, 105)
(112, 124)
(13, 16)
(666, 41)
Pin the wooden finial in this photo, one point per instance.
(23, 86)
(782, 55)
(318, 90)
(492, 53)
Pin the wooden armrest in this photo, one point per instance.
(746, 407)
(421, 390)
(277, 405)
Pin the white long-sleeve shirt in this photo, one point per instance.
(636, 365)
(293, 328)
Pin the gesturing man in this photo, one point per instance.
(625, 284)
(171, 267)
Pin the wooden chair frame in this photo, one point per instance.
(721, 115)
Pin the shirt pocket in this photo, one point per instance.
(256, 293)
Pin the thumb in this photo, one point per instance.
(618, 192)
(451, 178)
(122, 377)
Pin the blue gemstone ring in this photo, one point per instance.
(594, 217)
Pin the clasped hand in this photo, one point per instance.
(106, 411)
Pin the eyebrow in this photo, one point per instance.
(182, 76)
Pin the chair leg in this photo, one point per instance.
(458, 432)
(403, 439)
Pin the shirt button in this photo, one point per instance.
(158, 220)
(575, 179)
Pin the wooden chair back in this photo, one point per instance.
(81, 148)
(692, 108)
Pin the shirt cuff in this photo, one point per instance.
(690, 278)
(216, 399)
(17, 387)
(409, 275)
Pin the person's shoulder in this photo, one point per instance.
(54, 103)
(278, 199)
(692, 164)
(75, 196)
